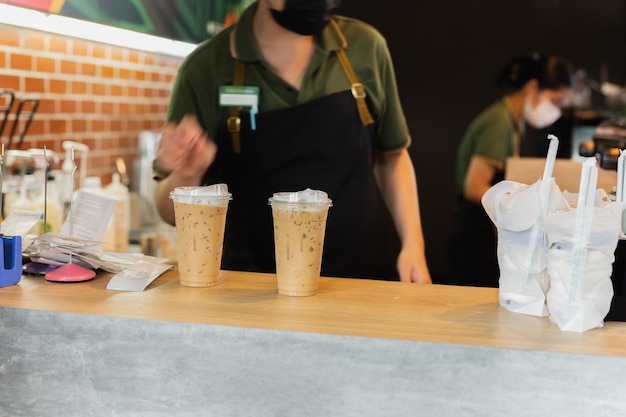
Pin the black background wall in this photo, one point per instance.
(446, 54)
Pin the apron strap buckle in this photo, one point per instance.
(233, 123)
(358, 91)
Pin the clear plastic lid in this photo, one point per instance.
(307, 196)
(201, 194)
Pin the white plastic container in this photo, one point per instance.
(19, 199)
(117, 236)
(52, 209)
(91, 184)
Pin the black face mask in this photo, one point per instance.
(305, 17)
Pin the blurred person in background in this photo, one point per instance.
(537, 87)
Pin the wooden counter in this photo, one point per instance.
(358, 348)
(393, 310)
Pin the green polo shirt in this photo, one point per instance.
(211, 65)
(491, 135)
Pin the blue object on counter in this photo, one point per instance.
(11, 260)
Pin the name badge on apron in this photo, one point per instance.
(241, 96)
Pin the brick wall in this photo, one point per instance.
(100, 95)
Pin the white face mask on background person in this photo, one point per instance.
(543, 114)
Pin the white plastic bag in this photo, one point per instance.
(518, 212)
(580, 263)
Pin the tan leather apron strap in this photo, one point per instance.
(358, 91)
(234, 120)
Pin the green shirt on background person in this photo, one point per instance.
(484, 137)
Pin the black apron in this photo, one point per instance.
(320, 145)
(473, 244)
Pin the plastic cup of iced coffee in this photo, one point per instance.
(200, 214)
(299, 228)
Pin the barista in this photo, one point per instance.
(538, 86)
(312, 125)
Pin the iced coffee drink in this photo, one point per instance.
(299, 228)
(200, 219)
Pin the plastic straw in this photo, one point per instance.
(546, 179)
(536, 237)
(619, 192)
(584, 214)
(584, 186)
(552, 148)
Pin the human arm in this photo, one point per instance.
(396, 178)
(478, 178)
(488, 141)
(185, 151)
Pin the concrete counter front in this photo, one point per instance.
(357, 348)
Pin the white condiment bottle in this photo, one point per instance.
(52, 209)
(117, 235)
